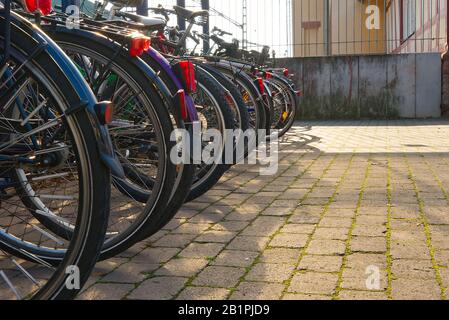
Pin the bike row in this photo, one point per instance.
(94, 109)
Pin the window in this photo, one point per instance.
(408, 18)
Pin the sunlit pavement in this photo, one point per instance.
(357, 210)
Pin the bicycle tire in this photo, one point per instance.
(93, 214)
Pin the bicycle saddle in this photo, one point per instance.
(147, 22)
(189, 14)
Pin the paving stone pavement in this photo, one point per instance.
(357, 210)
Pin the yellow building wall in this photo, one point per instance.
(308, 41)
(339, 30)
(373, 40)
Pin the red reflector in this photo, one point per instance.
(268, 75)
(182, 104)
(286, 72)
(139, 44)
(230, 99)
(261, 85)
(105, 112)
(299, 93)
(188, 73)
(109, 114)
(31, 5)
(44, 6)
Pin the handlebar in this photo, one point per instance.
(162, 11)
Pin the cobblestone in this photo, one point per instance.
(306, 233)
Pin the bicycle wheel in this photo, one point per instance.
(279, 99)
(258, 112)
(53, 153)
(240, 113)
(168, 86)
(235, 99)
(286, 100)
(216, 114)
(140, 134)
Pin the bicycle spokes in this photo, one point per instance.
(38, 182)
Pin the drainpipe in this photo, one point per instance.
(142, 9)
(206, 28)
(445, 72)
(326, 29)
(447, 26)
(181, 21)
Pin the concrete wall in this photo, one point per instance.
(378, 86)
